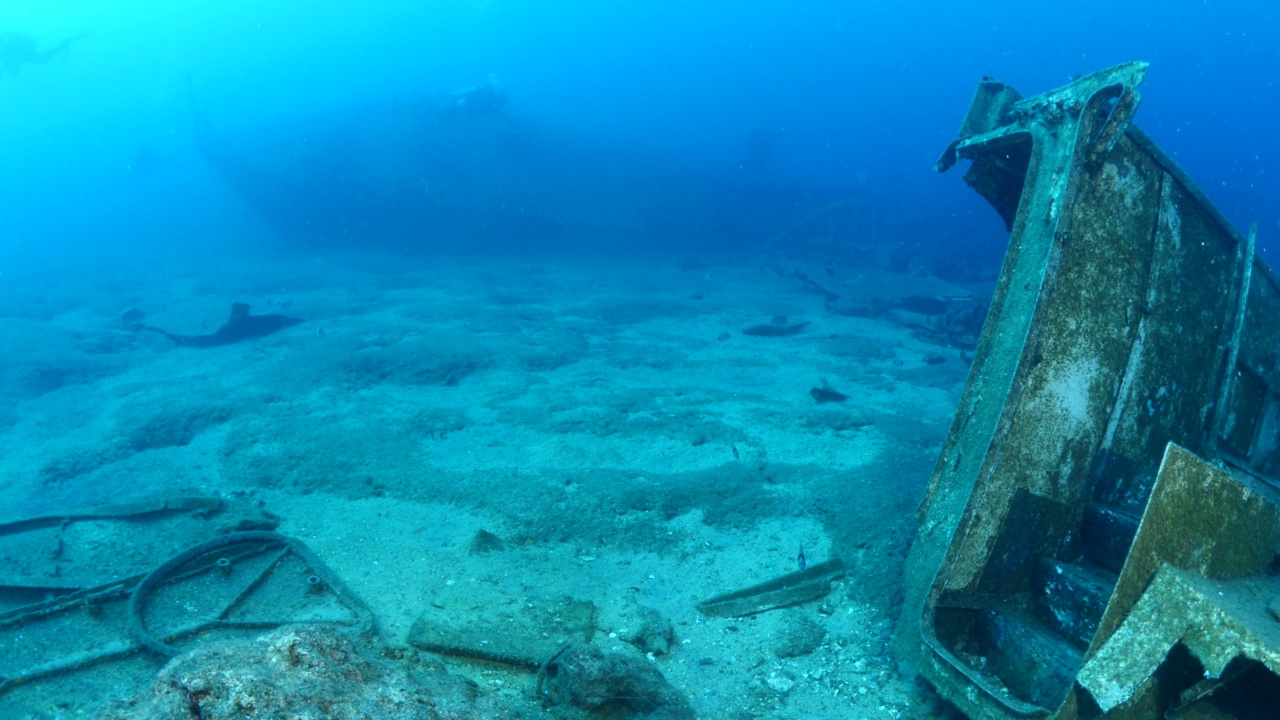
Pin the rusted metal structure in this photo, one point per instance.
(414, 174)
(1099, 538)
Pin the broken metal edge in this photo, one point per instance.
(178, 503)
(1101, 107)
(472, 653)
(791, 589)
(1032, 117)
(363, 621)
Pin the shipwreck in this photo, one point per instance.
(1099, 536)
(414, 174)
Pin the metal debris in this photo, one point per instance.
(792, 589)
(1129, 317)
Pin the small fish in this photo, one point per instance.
(800, 561)
(734, 448)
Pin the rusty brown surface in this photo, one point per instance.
(1115, 329)
(1191, 577)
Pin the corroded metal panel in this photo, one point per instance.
(1199, 559)
(1128, 315)
(1177, 361)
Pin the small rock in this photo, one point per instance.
(779, 683)
(486, 542)
(301, 671)
(586, 677)
(656, 633)
(800, 636)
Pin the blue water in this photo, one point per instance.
(859, 98)
(620, 377)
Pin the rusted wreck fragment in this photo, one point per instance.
(1126, 384)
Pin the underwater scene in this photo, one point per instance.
(490, 359)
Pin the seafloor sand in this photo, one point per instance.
(608, 420)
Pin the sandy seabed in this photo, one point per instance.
(606, 419)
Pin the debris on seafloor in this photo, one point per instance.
(102, 615)
(263, 563)
(610, 684)
(935, 310)
(485, 542)
(798, 636)
(304, 671)
(825, 394)
(774, 329)
(132, 315)
(520, 633)
(792, 589)
(145, 508)
(1114, 559)
(655, 633)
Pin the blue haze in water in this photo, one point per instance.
(858, 98)
(161, 159)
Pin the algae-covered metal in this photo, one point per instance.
(1128, 315)
(1197, 582)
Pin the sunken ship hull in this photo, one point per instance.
(1099, 538)
(407, 175)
